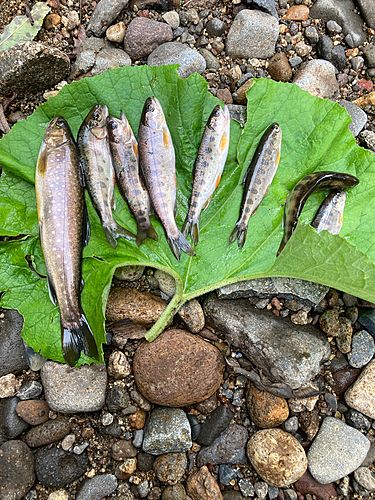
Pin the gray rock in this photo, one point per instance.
(252, 34)
(104, 14)
(295, 61)
(96, 55)
(267, 6)
(333, 27)
(228, 448)
(31, 389)
(167, 431)
(215, 27)
(318, 77)
(143, 35)
(368, 11)
(337, 450)
(31, 67)
(332, 53)
(359, 117)
(343, 13)
(246, 487)
(284, 352)
(226, 474)
(71, 390)
(369, 53)
(47, 433)
(357, 63)
(261, 489)
(34, 359)
(366, 478)
(12, 351)
(97, 487)
(16, 470)
(291, 425)
(237, 112)
(312, 34)
(287, 288)
(363, 349)
(211, 60)
(117, 398)
(368, 137)
(11, 425)
(214, 425)
(56, 468)
(190, 60)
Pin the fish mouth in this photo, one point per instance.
(152, 113)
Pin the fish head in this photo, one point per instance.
(57, 133)
(119, 129)
(96, 121)
(153, 115)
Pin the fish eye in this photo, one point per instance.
(112, 125)
(96, 115)
(60, 122)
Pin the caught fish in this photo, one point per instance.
(258, 179)
(99, 174)
(157, 161)
(124, 149)
(61, 208)
(330, 214)
(209, 166)
(302, 190)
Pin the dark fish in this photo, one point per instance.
(258, 179)
(330, 214)
(209, 166)
(303, 189)
(61, 206)
(124, 149)
(157, 161)
(99, 174)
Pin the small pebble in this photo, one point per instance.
(118, 365)
(30, 390)
(361, 395)
(123, 449)
(261, 489)
(172, 18)
(246, 487)
(9, 385)
(333, 27)
(363, 349)
(68, 442)
(116, 33)
(170, 468)
(126, 468)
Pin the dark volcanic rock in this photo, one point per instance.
(11, 425)
(56, 468)
(214, 425)
(16, 470)
(12, 351)
(228, 448)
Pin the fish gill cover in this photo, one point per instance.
(315, 137)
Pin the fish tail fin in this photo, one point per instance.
(121, 232)
(144, 233)
(76, 339)
(115, 231)
(191, 227)
(239, 233)
(180, 244)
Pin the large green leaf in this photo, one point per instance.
(315, 137)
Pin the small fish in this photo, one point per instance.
(61, 209)
(124, 149)
(157, 161)
(258, 179)
(302, 190)
(99, 174)
(330, 214)
(209, 166)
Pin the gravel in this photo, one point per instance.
(189, 60)
(11, 426)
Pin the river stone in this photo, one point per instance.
(31, 389)
(358, 116)
(253, 34)
(170, 467)
(368, 11)
(318, 77)
(214, 425)
(48, 433)
(11, 425)
(97, 487)
(308, 485)
(143, 35)
(31, 67)
(277, 456)
(177, 369)
(228, 448)
(16, 470)
(56, 468)
(106, 11)
(72, 390)
(237, 112)
(167, 431)
(337, 450)
(361, 395)
(33, 411)
(366, 478)
(306, 292)
(363, 349)
(264, 5)
(12, 351)
(266, 410)
(343, 13)
(189, 60)
(200, 485)
(284, 352)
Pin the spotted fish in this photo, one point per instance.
(124, 149)
(258, 178)
(99, 174)
(157, 162)
(209, 166)
(61, 205)
(303, 189)
(330, 214)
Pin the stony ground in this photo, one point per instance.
(263, 389)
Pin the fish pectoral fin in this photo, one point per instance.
(86, 231)
(206, 203)
(51, 291)
(81, 174)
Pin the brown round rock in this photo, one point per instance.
(170, 467)
(144, 35)
(277, 457)
(266, 410)
(49, 432)
(297, 13)
(201, 485)
(279, 68)
(178, 369)
(33, 411)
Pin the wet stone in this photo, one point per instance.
(170, 468)
(167, 431)
(34, 412)
(363, 349)
(214, 425)
(30, 390)
(11, 425)
(215, 27)
(344, 379)
(308, 485)
(47, 433)
(12, 351)
(16, 470)
(228, 447)
(56, 468)
(98, 487)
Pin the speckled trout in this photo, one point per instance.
(99, 174)
(330, 214)
(124, 149)
(303, 189)
(60, 206)
(209, 166)
(157, 161)
(258, 178)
